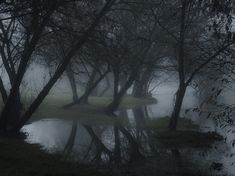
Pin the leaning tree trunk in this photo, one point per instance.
(177, 107)
(113, 106)
(118, 95)
(100, 147)
(90, 87)
(71, 140)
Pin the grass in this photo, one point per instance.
(20, 159)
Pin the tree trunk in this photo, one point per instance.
(118, 95)
(114, 105)
(70, 143)
(59, 71)
(3, 92)
(84, 98)
(100, 147)
(181, 71)
(135, 154)
(13, 115)
(106, 88)
(116, 98)
(72, 82)
(11, 105)
(122, 83)
(140, 88)
(140, 121)
(15, 112)
(89, 87)
(177, 107)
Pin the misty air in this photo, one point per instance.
(117, 88)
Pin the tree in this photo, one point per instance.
(31, 28)
(195, 45)
(128, 43)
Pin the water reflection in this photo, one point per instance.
(129, 142)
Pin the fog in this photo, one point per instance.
(117, 87)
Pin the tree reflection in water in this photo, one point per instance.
(130, 141)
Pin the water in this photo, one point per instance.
(91, 143)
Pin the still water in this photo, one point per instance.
(132, 141)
